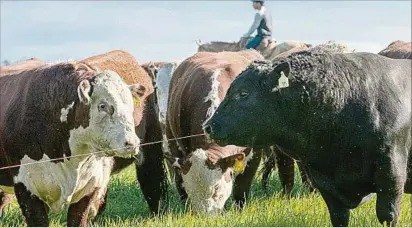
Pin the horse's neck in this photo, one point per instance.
(229, 46)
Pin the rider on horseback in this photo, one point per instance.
(263, 25)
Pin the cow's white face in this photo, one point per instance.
(207, 189)
(111, 126)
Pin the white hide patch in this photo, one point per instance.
(94, 209)
(213, 95)
(65, 111)
(207, 189)
(163, 77)
(66, 182)
(249, 156)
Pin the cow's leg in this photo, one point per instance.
(179, 185)
(176, 152)
(101, 204)
(268, 166)
(243, 181)
(178, 176)
(5, 200)
(150, 170)
(152, 177)
(78, 213)
(390, 179)
(339, 214)
(304, 176)
(286, 171)
(33, 209)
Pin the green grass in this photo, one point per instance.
(126, 207)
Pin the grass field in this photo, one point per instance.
(126, 207)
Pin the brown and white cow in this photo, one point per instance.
(204, 170)
(98, 116)
(398, 50)
(268, 48)
(5, 198)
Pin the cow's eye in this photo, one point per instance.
(105, 107)
(243, 94)
(102, 106)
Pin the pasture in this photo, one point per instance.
(127, 207)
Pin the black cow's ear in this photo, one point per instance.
(279, 76)
(284, 66)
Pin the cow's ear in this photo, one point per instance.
(236, 161)
(137, 90)
(83, 91)
(279, 76)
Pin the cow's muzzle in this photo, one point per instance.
(215, 132)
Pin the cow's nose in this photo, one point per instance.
(208, 129)
(130, 145)
(212, 128)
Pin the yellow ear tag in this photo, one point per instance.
(239, 166)
(136, 101)
(283, 81)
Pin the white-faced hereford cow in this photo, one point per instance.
(398, 50)
(58, 111)
(346, 117)
(149, 166)
(205, 170)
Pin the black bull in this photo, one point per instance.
(346, 117)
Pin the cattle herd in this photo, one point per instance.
(343, 116)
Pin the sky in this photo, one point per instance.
(167, 30)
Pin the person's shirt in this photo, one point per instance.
(262, 23)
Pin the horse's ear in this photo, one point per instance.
(198, 42)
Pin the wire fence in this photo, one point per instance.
(96, 152)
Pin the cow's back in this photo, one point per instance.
(398, 50)
(124, 64)
(21, 66)
(385, 81)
